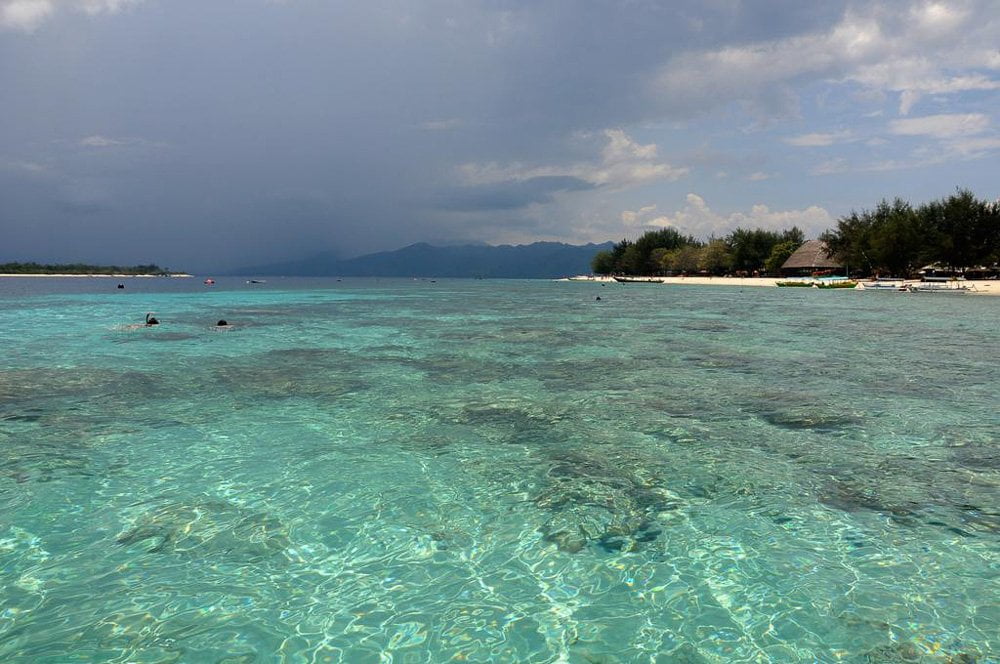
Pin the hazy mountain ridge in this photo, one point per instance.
(539, 260)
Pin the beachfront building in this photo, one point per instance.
(809, 259)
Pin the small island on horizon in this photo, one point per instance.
(32, 269)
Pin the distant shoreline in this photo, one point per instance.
(979, 286)
(179, 275)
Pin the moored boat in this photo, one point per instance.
(638, 280)
(835, 283)
(817, 282)
(884, 285)
(938, 288)
(940, 285)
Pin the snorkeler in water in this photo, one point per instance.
(150, 322)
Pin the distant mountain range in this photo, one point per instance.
(540, 260)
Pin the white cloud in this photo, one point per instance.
(101, 142)
(32, 167)
(28, 15)
(973, 148)
(101, 6)
(938, 18)
(954, 140)
(916, 76)
(621, 148)
(623, 164)
(631, 217)
(759, 176)
(24, 14)
(942, 126)
(626, 163)
(818, 139)
(934, 48)
(98, 141)
(697, 218)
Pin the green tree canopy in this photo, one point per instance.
(79, 268)
(779, 254)
(751, 248)
(716, 258)
(958, 231)
(603, 262)
(643, 256)
(682, 259)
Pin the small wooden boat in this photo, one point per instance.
(940, 289)
(883, 285)
(638, 280)
(941, 286)
(836, 284)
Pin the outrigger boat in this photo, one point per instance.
(887, 285)
(839, 283)
(940, 285)
(941, 289)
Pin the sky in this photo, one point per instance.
(210, 134)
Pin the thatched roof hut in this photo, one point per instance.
(810, 257)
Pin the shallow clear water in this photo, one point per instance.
(408, 471)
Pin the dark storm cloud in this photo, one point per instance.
(512, 194)
(198, 116)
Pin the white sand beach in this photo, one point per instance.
(977, 287)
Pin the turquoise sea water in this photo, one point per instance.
(496, 471)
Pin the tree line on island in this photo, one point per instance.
(958, 232)
(80, 268)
